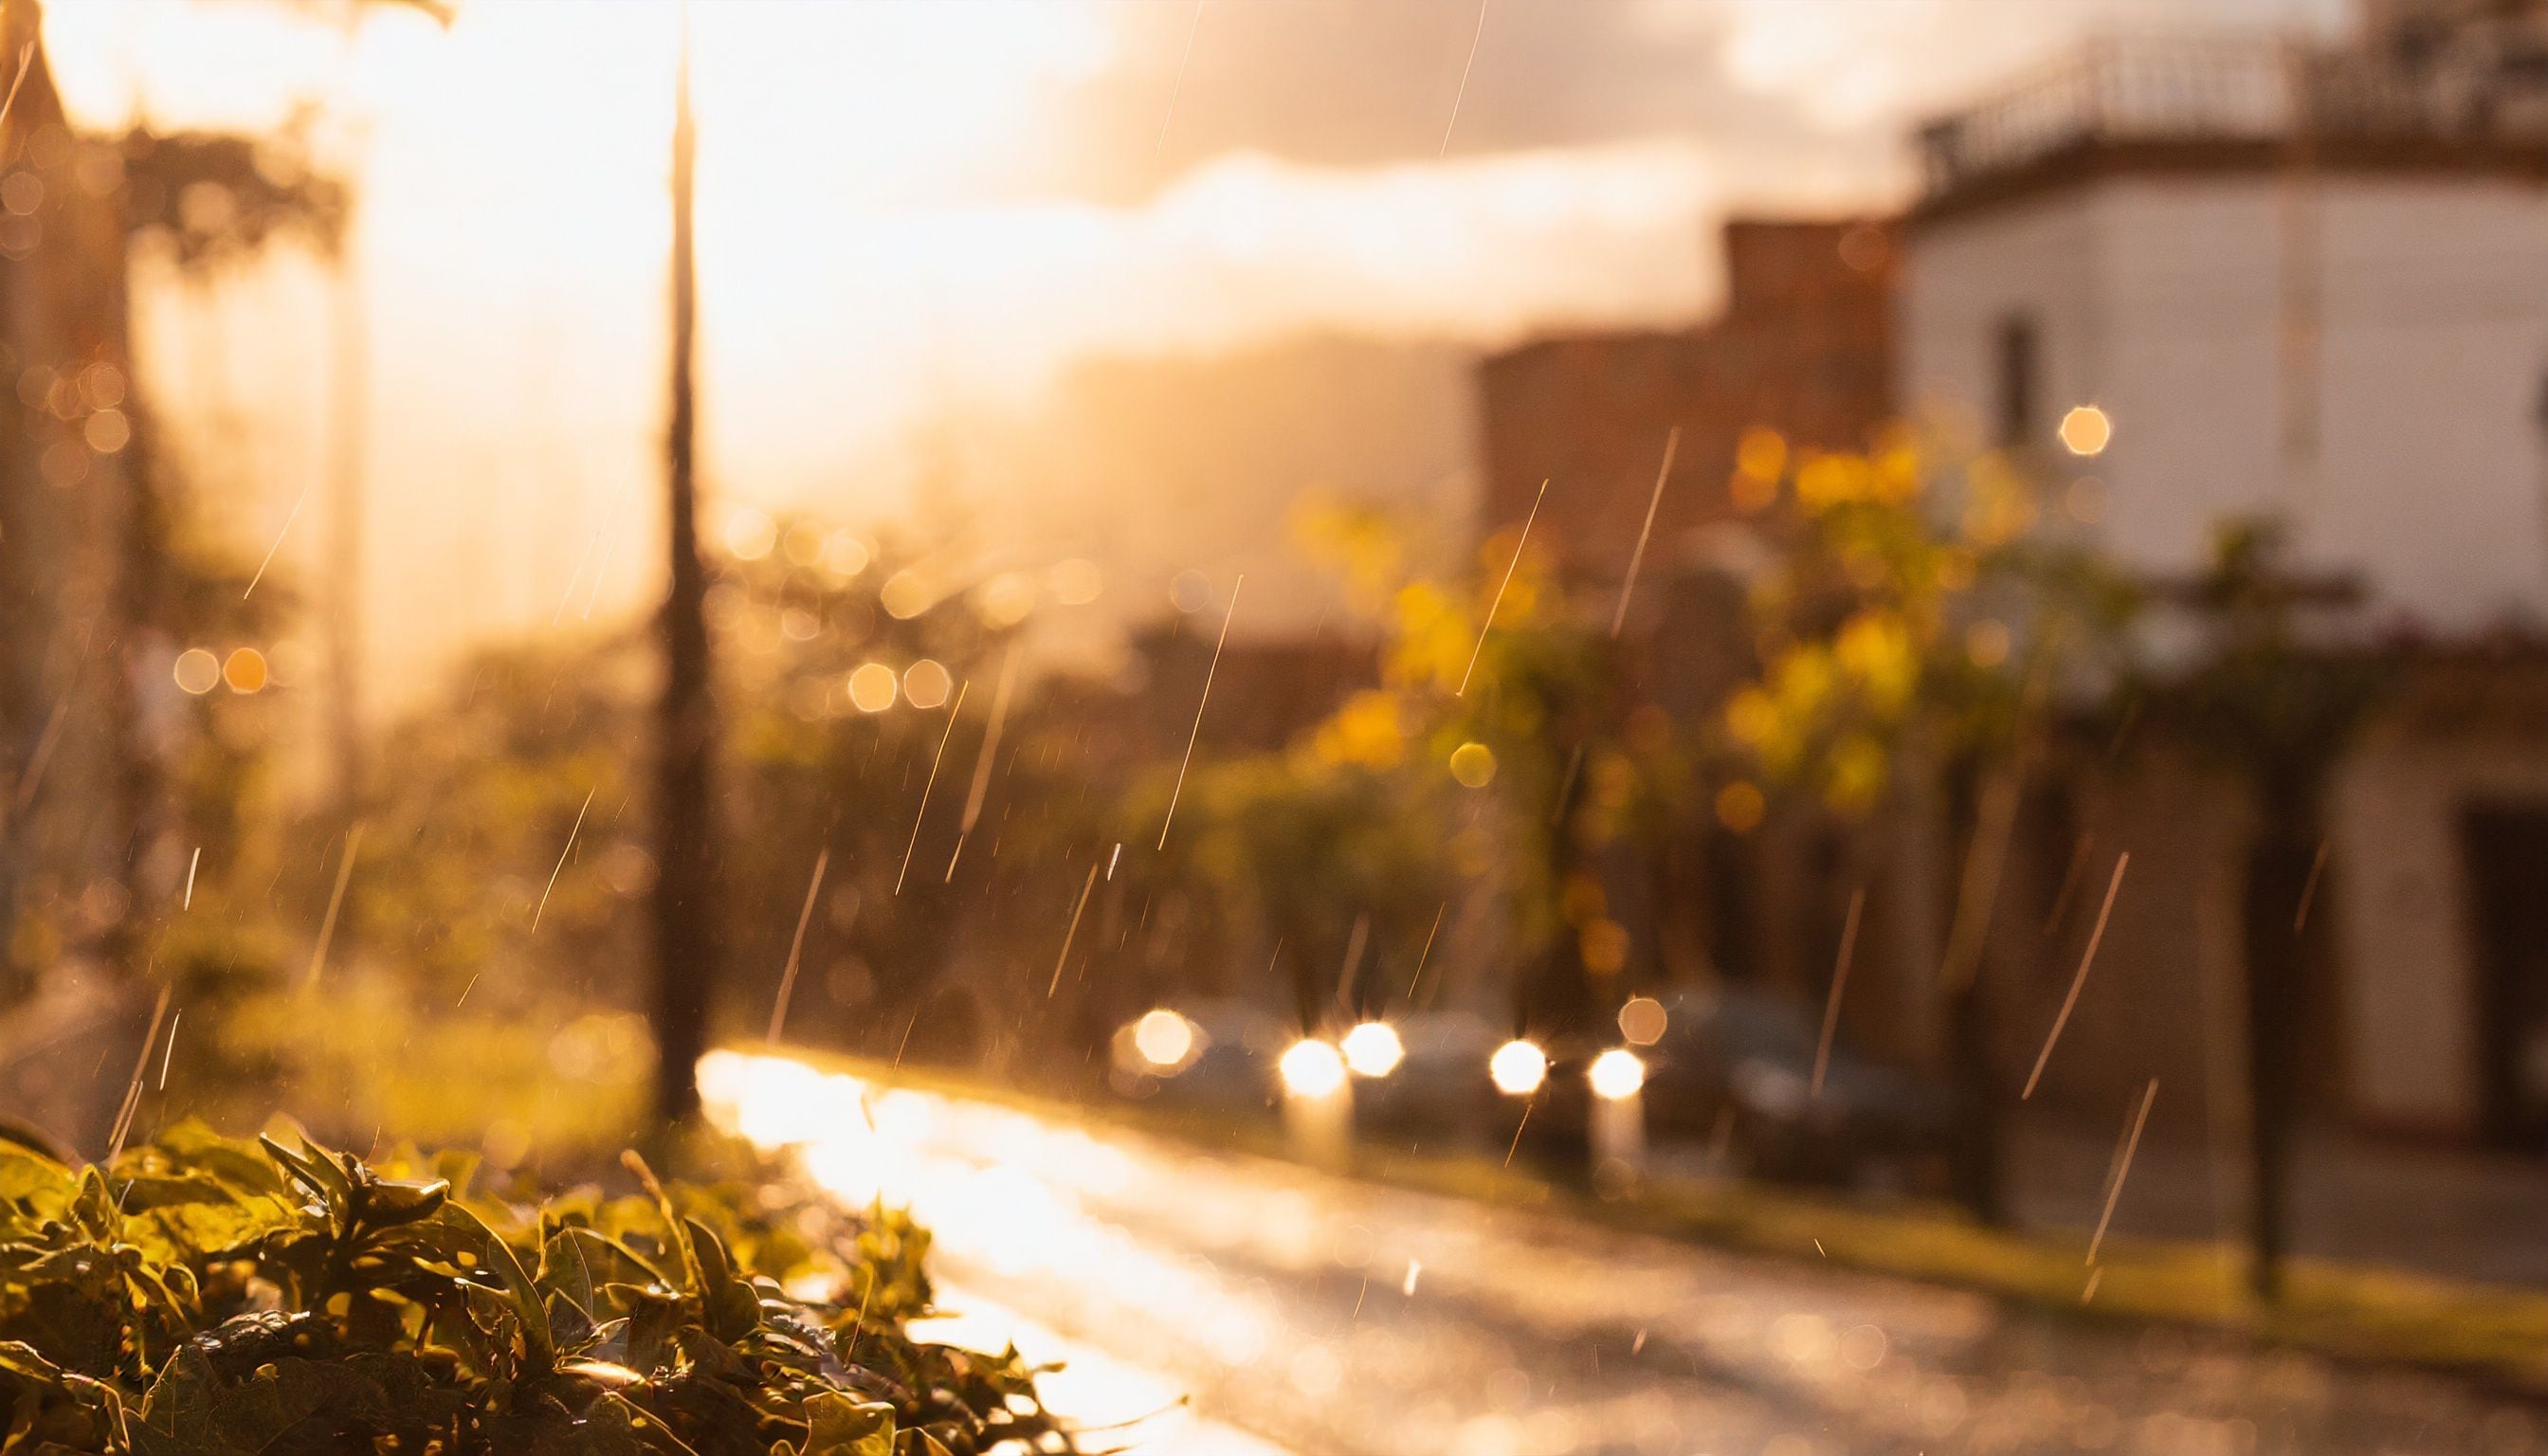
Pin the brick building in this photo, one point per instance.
(1803, 346)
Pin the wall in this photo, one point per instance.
(2417, 451)
(2461, 734)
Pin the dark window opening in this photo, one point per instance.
(2504, 848)
(2019, 364)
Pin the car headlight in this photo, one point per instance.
(1372, 1050)
(1616, 1073)
(1311, 1068)
(1518, 1067)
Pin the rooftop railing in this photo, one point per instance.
(2196, 89)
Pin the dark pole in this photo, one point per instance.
(350, 347)
(2278, 875)
(1983, 810)
(686, 952)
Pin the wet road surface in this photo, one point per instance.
(1314, 1315)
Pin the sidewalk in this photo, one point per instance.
(2458, 1213)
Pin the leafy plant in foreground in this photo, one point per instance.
(203, 1296)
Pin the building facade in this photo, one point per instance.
(2310, 286)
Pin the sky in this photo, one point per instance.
(912, 212)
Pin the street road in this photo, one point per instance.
(1314, 1315)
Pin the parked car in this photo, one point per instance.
(1439, 1092)
(1733, 1074)
(1217, 1056)
(1755, 1054)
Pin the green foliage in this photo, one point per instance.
(210, 1297)
(1916, 609)
(1504, 760)
(2264, 700)
(507, 848)
(219, 198)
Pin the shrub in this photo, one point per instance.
(206, 1296)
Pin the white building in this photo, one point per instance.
(2310, 284)
(2348, 329)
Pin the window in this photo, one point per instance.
(2017, 404)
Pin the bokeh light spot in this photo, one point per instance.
(927, 683)
(846, 554)
(1517, 1067)
(1311, 1068)
(1642, 1021)
(244, 669)
(198, 672)
(1190, 592)
(1987, 643)
(1740, 806)
(2086, 501)
(103, 384)
(750, 533)
(107, 431)
(1616, 1073)
(2085, 430)
(1372, 1050)
(872, 687)
(1163, 1038)
(1473, 765)
(1005, 599)
(805, 543)
(905, 596)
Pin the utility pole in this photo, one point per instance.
(2281, 857)
(686, 946)
(348, 436)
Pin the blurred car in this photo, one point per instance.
(1217, 1056)
(1226, 1055)
(1438, 1092)
(1754, 1055)
(1733, 1074)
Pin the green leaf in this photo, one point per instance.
(236, 1162)
(566, 1269)
(387, 1205)
(31, 1178)
(604, 1261)
(728, 1306)
(537, 1344)
(314, 1171)
(841, 1424)
(652, 1315)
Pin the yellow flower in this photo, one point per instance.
(1366, 731)
(1826, 481)
(1876, 649)
(1896, 475)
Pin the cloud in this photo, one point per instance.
(1793, 84)
(997, 301)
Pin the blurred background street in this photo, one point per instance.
(1751, 726)
(1334, 1316)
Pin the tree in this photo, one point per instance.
(685, 838)
(1496, 755)
(1925, 620)
(102, 582)
(2278, 710)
